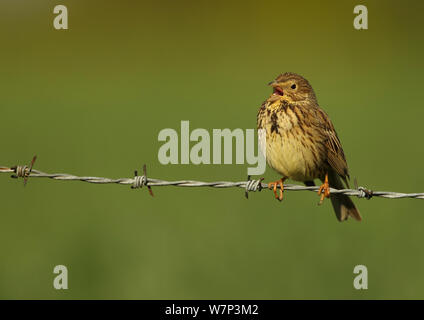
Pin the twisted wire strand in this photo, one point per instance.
(249, 185)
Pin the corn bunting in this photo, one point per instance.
(301, 142)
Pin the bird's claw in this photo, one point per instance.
(273, 186)
(324, 190)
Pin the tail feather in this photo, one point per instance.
(342, 204)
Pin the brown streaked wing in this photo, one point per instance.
(335, 155)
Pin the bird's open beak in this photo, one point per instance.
(277, 90)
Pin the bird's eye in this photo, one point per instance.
(293, 86)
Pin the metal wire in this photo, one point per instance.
(249, 185)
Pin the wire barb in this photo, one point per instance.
(252, 185)
(140, 181)
(23, 171)
(249, 185)
(363, 192)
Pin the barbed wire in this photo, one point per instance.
(137, 181)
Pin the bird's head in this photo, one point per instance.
(292, 88)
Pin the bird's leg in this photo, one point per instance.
(324, 190)
(273, 186)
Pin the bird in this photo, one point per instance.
(301, 142)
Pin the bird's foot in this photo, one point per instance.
(273, 186)
(324, 190)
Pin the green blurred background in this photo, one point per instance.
(91, 100)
